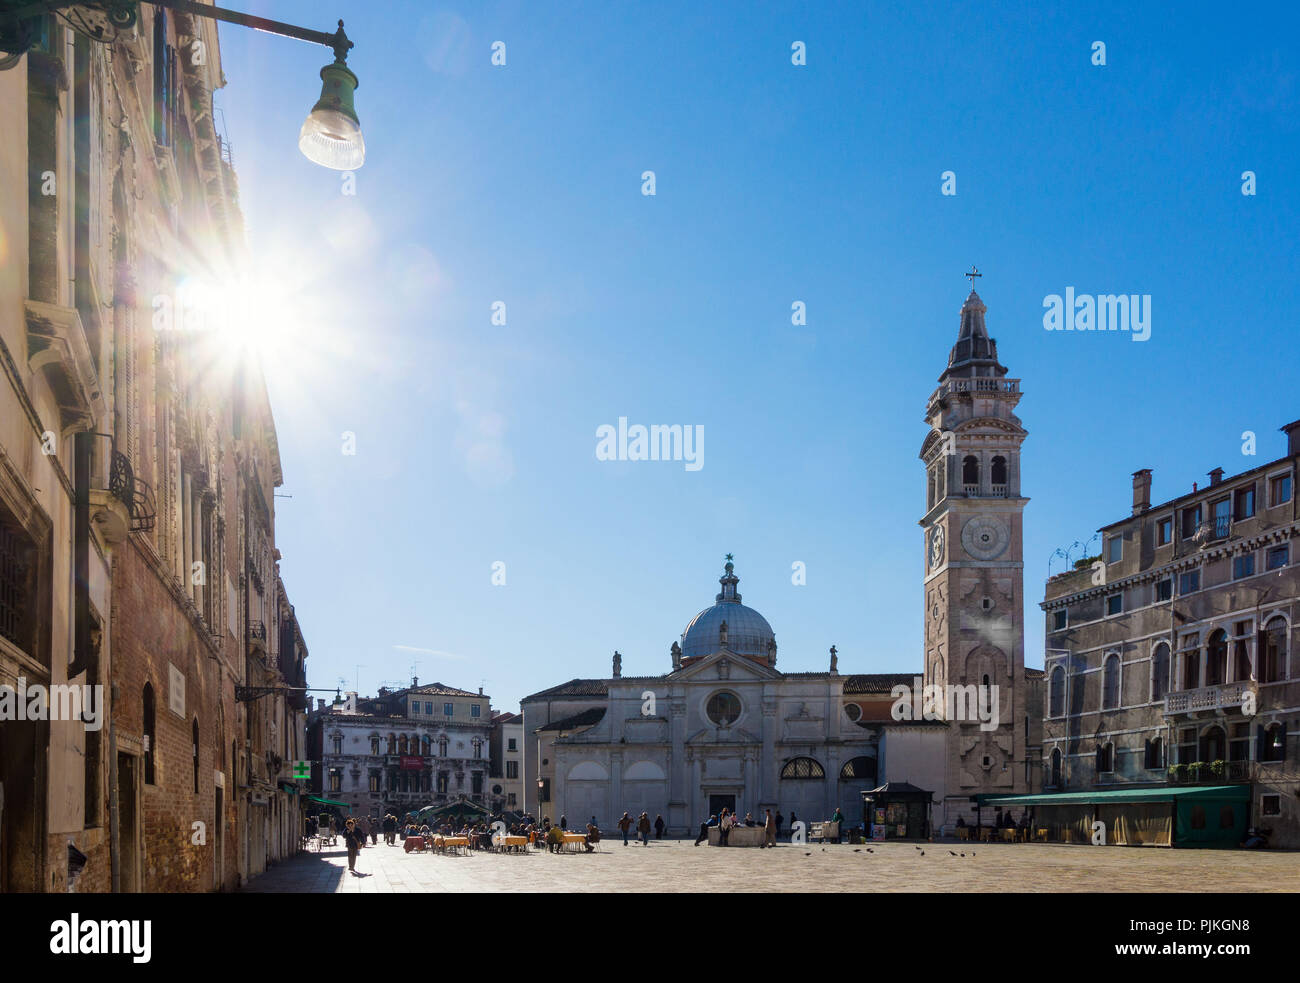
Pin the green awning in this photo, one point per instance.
(1113, 796)
(328, 802)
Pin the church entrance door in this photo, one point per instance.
(719, 802)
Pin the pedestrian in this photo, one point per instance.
(625, 824)
(704, 830)
(838, 820)
(643, 827)
(355, 840)
(769, 829)
(780, 821)
(725, 822)
(659, 827)
(564, 821)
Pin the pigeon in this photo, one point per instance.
(857, 851)
(869, 850)
(963, 854)
(951, 854)
(923, 853)
(807, 854)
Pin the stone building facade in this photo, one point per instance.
(507, 775)
(1170, 658)
(139, 462)
(405, 749)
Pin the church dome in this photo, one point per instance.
(748, 632)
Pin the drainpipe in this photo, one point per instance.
(114, 829)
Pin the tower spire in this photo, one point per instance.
(728, 580)
(975, 354)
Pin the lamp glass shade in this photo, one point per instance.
(331, 134)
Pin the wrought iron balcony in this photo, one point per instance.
(1207, 773)
(257, 636)
(1214, 529)
(132, 492)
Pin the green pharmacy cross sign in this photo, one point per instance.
(302, 771)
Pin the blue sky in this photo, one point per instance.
(775, 183)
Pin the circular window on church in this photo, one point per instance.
(853, 712)
(723, 708)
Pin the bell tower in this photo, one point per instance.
(974, 570)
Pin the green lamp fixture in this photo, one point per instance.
(331, 134)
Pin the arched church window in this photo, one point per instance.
(723, 708)
(803, 768)
(1056, 767)
(859, 769)
(970, 470)
(853, 712)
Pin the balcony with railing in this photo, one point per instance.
(1211, 531)
(257, 637)
(999, 491)
(1228, 696)
(1212, 773)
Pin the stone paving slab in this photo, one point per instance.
(678, 866)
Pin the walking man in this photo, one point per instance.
(769, 830)
(643, 827)
(355, 840)
(625, 824)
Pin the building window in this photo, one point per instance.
(402, 746)
(1191, 521)
(442, 747)
(1114, 549)
(1189, 582)
(512, 769)
(1278, 557)
(860, 769)
(1060, 619)
(1243, 665)
(1273, 664)
(1187, 746)
(999, 472)
(1191, 656)
(374, 744)
(336, 779)
(802, 768)
(1243, 503)
(374, 780)
(1279, 490)
(447, 709)
(475, 710)
(512, 799)
(1055, 778)
(1105, 758)
(1222, 514)
(164, 82)
(18, 622)
(1154, 757)
(1243, 566)
(970, 471)
(1057, 702)
(511, 744)
(476, 783)
(1114, 604)
(1270, 805)
(1110, 683)
(1165, 531)
(1239, 744)
(1160, 672)
(149, 723)
(392, 743)
(1216, 658)
(1272, 743)
(478, 747)
(426, 746)
(1165, 590)
(723, 708)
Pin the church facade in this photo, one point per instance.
(723, 728)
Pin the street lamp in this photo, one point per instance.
(331, 134)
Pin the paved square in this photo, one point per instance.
(677, 866)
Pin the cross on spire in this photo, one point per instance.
(974, 272)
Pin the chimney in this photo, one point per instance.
(1292, 431)
(1141, 491)
(320, 704)
(480, 691)
(415, 681)
(350, 706)
(1216, 476)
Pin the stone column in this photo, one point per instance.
(616, 783)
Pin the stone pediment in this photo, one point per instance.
(725, 665)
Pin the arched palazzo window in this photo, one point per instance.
(1273, 663)
(1110, 683)
(1155, 754)
(442, 747)
(1055, 777)
(1056, 707)
(1216, 658)
(149, 735)
(1191, 658)
(859, 769)
(392, 743)
(1105, 758)
(1160, 672)
(970, 471)
(998, 472)
(800, 768)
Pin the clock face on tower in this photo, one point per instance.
(985, 537)
(936, 546)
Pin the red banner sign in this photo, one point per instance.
(411, 764)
